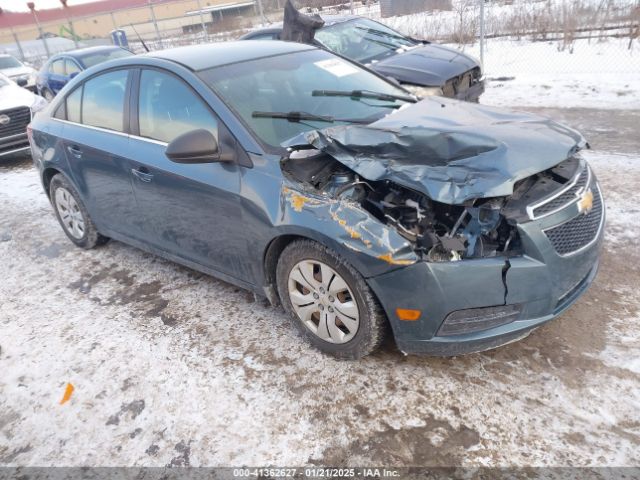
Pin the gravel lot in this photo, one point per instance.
(171, 367)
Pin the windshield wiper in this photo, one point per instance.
(363, 94)
(304, 116)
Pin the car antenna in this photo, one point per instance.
(139, 37)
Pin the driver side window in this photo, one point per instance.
(168, 108)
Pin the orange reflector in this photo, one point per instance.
(408, 315)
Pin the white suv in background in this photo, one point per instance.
(17, 71)
(17, 107)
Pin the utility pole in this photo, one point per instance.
(73, 32)
(482, 35)
(155, 24)
(204, 27)
(32, 7)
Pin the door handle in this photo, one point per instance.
(75, 151)
(142, 174)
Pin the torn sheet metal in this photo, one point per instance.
(451, 151)
(298, 27)
(348, 224)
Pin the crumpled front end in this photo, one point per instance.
(478, 304)
(501, 241)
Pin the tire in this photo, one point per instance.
(72, 214)
(310, 272)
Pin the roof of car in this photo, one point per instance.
(200, 57)
(81, 52)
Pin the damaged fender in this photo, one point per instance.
(376, 247)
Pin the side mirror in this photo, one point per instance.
(22, 82)
(196, 146)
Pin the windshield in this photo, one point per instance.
(9, 62)
(95, 58)
(286, 83)
(362, 39)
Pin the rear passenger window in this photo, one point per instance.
(71, 67)
(103, 100)
(57, 67)
(169, 108)
(74, 100)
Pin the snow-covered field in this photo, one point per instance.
(171, 367)
(590, 74)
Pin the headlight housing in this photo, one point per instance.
(422, 91)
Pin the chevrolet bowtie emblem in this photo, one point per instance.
(585, 204)
(5, 119)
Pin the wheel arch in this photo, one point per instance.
(270, 262)
(47, 175)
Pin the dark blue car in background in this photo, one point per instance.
(321, 185)
(61, 68)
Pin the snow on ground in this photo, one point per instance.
(172, 367)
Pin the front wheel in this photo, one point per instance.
(72, 214)
(330, 303)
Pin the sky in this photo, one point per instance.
(21, 5)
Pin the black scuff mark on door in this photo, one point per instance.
(505, 270)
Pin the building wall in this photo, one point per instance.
(170, 15)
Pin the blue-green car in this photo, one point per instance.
(319, 184)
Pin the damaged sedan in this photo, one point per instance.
(307, 179)
(420, 66)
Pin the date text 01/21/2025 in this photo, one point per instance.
(314, 472)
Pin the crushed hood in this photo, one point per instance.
(427, 65)
(449, 150)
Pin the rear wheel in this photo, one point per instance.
(72, 214)
(329, 301)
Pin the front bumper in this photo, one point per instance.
(542, 283)
(13, 145)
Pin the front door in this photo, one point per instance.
(192, 211)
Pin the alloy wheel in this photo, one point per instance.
(323, 301)
(70, 213)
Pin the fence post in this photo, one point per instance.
(204, 28)
(42, 36)
(261, 10)
(15, 37)
(113, 20)
(155, 24)
(482, 35)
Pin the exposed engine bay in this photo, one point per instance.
(438, 232)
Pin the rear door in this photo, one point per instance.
(96, 145)
(189, 210)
